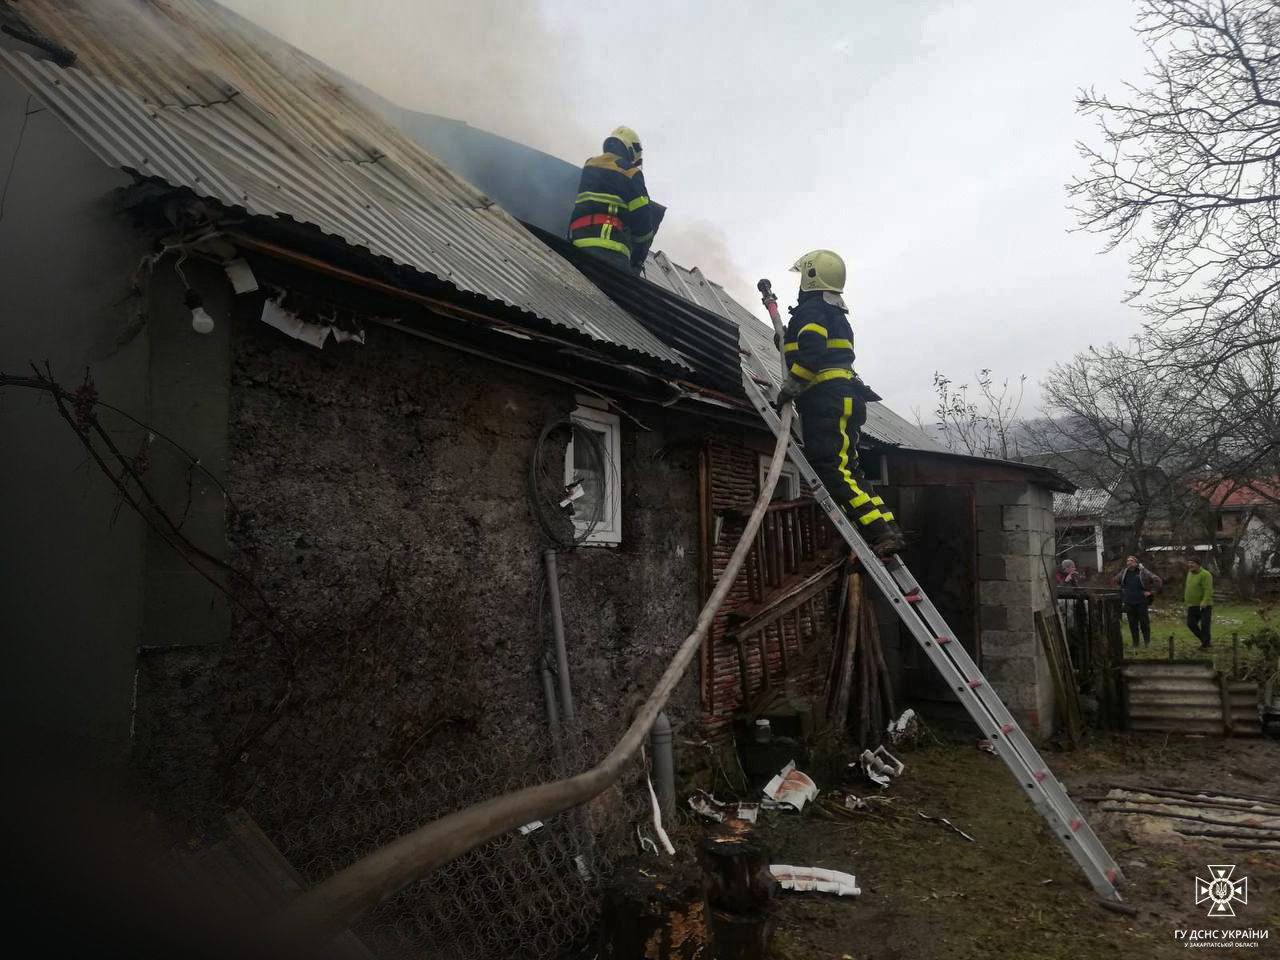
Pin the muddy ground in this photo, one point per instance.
(1014, 893)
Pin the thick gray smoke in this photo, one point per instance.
(495, 64)
(697, 243)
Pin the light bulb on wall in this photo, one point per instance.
(201, 322)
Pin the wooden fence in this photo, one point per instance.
(1091, 622)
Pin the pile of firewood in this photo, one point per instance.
(859, 689)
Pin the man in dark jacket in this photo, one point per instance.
(831, 400)
(1137, 586)
(612, 217)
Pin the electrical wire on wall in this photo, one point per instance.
(570, 474)
(559, 497)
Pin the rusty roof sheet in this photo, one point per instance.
(191, 93)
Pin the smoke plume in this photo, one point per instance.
(495, 64)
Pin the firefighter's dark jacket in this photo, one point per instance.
(819, 344)
(612, 209)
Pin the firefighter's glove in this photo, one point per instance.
(791, 389)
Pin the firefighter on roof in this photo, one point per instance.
(612, 216)
(831, 400)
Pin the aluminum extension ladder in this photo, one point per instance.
(955, 665)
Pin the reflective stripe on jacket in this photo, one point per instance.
(819, 343)
(611, 211)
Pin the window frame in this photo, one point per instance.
(790, 476)
(608, 533)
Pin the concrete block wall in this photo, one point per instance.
(1015, 529)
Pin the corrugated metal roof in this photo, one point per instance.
(186, 91)
(1087, 502)
(882, 423)
(1185, 697)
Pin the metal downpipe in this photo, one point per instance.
(664, 776)
(557, 632)
(549, 696)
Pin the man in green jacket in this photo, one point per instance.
(1198, 596)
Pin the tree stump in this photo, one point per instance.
(655, 915)
(739, 892)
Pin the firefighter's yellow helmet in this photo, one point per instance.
(630, 138)
(820, 270)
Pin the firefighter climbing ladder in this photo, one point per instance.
(955, 666)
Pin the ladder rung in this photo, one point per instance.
(912, 597)
(943, 641)
(974, 684)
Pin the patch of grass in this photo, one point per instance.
(1169, 618)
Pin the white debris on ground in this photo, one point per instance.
(905, 728)
(790, 788)
(721, 810)
(880, 766)
(815, 880)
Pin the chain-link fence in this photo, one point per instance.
(530, 894)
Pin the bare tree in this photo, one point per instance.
(1239, 408)
(986, 428)
(1188, 172)
(1117, 421)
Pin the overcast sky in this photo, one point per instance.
(926, 141)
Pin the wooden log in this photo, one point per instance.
(831, 688)
(1112, 806)
(1055, 674)
(882, 668)
(1188, 798)
(1242, 832)
(1241, 799)
(875, 729)
(844, 683)
(739, 896)
(1075, 712)
(864, 683)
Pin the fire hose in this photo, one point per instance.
(317, 915)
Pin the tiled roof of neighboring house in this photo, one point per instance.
(190, 93)
(1227, 493)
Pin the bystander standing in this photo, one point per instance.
(1137, 586)
(1198, 596)
(1067, 574)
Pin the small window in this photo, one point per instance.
(596, 468)
(788, 487)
